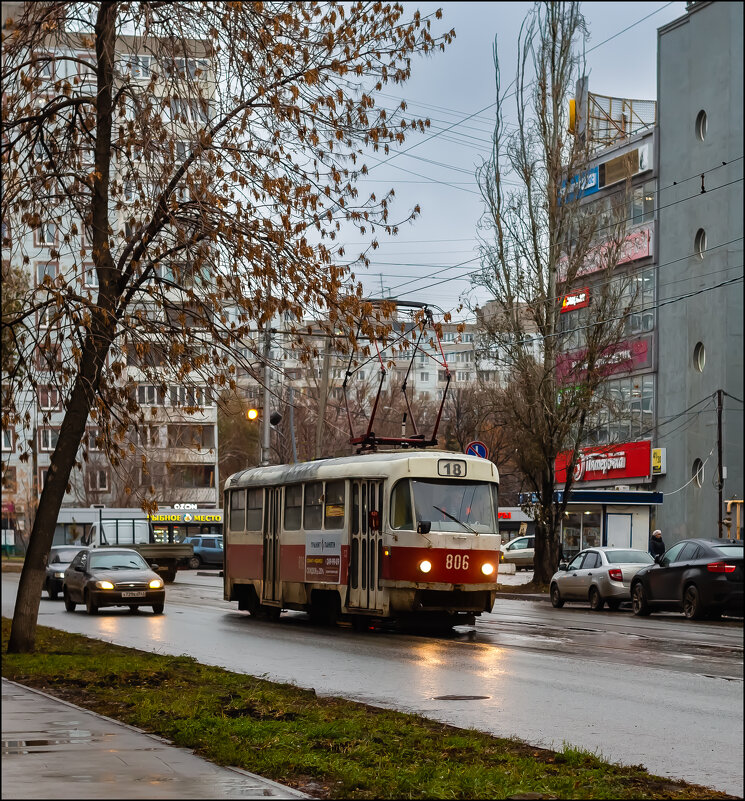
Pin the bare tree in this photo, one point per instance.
(188, 167)
(535, 238)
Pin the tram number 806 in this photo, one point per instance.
(456, 561)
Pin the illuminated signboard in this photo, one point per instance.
(607, 462)
(637, 244)
(186, 517)
(624, 357)
(577, 299)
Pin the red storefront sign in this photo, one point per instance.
(636, 245)
(577, 299)
(607, 462)
(623, 357)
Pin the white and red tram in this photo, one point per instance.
(382, 535)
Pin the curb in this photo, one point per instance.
(524, 596)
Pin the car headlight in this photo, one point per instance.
(104, 585)
(425, 566)
(487, 569)
(156, 584)
(59, 575)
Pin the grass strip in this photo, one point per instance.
(327, 747)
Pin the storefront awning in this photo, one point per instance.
(626, 498)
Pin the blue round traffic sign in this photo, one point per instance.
(477, 448)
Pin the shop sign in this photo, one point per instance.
(8, 508)
(580, 186)
(659, 461)
(577, 299)
(186, 518)
(623, 357)
(637, 244)
(610, 463)
(504, 515)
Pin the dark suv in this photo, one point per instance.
(208, 550)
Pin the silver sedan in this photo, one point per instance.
(598, 575)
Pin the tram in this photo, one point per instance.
(377, 536)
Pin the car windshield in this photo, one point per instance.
(730, 551)
(64, 556)
(118, 561)
(628, 557)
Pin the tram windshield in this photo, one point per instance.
(465, 506)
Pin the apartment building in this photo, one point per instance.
(179, 440)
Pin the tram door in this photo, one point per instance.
(271, 546)
(365, 548)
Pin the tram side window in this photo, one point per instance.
(238, 510)
(313, 507)
(401, 514)
(254, 509)
(334, 508)
(293, 506)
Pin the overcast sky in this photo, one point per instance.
(621, 53)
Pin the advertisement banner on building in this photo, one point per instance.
(608, 463)
(624, 357)
(636, 245)
(579, 186)
(577, 299)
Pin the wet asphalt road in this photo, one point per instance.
(659, 691)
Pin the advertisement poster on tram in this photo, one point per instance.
(323, 556)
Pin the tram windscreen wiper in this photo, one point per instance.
(453, 517)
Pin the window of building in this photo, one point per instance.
(46, 268)
(46, 235)
(187, 436)
(10, 479)
(43, 471)
(424, 376)
(8, 440)
(642, 203)
(92, 436)
(147, 395)
(90, 276)
(701, 125)
(98, 479)
(463, 376)
(48, 439)
(192, 476)
(699, 357)
(49, 399)
(135, 65)
(697, 472)
(627, 411)
(699, 243)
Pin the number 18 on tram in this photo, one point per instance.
(402, 535)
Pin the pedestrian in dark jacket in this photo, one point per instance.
(656, 545)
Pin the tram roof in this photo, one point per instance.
(364, 465)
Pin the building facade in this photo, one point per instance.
(700, 314)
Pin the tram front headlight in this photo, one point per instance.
(487, 568)
(425, 566)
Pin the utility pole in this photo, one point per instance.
(322, 398)
(266, 429)
(720, 478)
(292, 424)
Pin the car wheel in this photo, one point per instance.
(69, 604)
(596, 600)
(692, 603)
(195, 562)
(613, 604)
(90, 606)
(639, 600)
(556, 600)
(158, 608)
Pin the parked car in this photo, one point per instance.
(700, 577)
(112, 577)
(59, 560)
(519, 552)
(598, 575)
(208, 550)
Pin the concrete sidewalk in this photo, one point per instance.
(52, 749)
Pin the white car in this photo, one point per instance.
(598, 575)
(519, 552)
